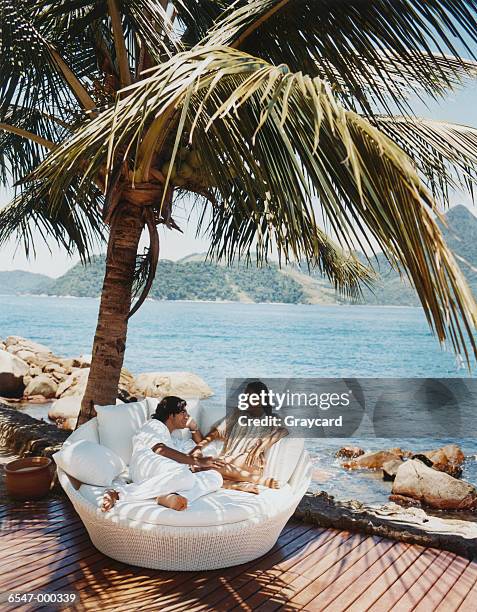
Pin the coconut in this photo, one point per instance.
(165, 169)
(185, 171)
(193, 159)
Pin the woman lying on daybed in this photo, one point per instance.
(244, 447)
(158, 469)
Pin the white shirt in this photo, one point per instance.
(151, 433)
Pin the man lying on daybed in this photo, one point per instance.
(159, 470)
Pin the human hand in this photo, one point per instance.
(209, 463)
(196, 452)
(192, 424)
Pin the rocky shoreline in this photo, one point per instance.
(32, 373)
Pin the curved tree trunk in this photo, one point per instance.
(110, 338)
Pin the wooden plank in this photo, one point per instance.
(43, 543)
(459, 591)
(222, 592)
(386, 579)
(419, 589)
(276, 591)
(34, 531)
(37, 556)
(326, 594)
(444, 585)
(468, 605)
(312, 581)
(201, 582)
(405, 581)
(37, 579)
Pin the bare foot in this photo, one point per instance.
(110, 498)
(271, 483)
(248, 487)
(173, 501)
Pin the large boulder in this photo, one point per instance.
(447, 459)
(182, 384)
(12, 371)
(41, 385)
(390, 468)
(433, 488)
(75, 383)
(372, 461)
(18, 343)
(65, 407)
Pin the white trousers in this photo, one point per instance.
(175, 478)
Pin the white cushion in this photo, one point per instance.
(87, 431)
(118, 424)
(209, 416)
(282, 458)
(217, 508)
(89, 462)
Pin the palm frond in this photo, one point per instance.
(367, 43)
(270, 141)
(75, 223)
(445, 153)
(19, 155)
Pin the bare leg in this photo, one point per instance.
(172, 501)
(241, 486)
(110, 498)
(230, 471)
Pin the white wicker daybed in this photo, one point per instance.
(218, 530)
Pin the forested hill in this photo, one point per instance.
(194, 279)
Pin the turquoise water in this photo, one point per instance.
(218, 340)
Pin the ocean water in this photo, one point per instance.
(218, 340)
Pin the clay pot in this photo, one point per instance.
(29, 478)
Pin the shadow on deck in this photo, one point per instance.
(44, 547)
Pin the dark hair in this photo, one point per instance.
(167, 406)
(256, 387)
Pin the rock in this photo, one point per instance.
(433, 488)
(66, 424)
(41, 385)
(27, 379)
(390, 468)
(372, 461)
(74, 384)
(53, 367)
(182, 384)
(35, 370)
(447, 459)
(12, 371)
(25, 355)
(65, 407)
(28, 345)
(81, 362)
(350, 452)
(405, 502)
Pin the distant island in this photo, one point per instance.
(194, 279)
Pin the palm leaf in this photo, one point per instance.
(74, 224)
(270, 141)
(445, 153)
(366, 43)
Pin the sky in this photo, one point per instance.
(459, 107)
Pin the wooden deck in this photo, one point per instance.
(44, 547)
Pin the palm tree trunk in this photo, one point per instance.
(110, 338)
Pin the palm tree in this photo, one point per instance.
(262, 113)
